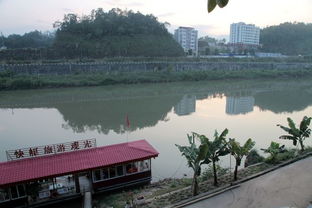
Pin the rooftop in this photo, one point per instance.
(19, 171)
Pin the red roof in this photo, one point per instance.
(23, 170)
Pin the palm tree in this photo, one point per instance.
(216, 148)
(295, 134)
(195, 156)
(239, 152)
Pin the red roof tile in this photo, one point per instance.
(66, 163)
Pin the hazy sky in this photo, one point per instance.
(20, 16)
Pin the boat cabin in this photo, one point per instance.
(59, 176)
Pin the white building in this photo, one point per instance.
(187, 38)
(246, 34)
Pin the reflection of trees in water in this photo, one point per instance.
(105, 108)
(104, 116)
(288, 100)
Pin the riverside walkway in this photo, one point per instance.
(289, 186)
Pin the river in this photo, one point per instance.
(163, 114)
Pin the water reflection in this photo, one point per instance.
(161, 113)
(186, 106)
(293, 98)
(239, 105)
(103, 109)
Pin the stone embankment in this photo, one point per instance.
(116, 67)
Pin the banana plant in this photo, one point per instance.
(216, 149)
(297, 134)
(195, 157)
(274, 149)
(238, 152)
(213, 3)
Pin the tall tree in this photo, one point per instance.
(216, 149)
(239, 152)
(195, 157)
(297, 134)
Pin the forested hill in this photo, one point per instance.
(288, 39)
(114, 33)
(34, 39)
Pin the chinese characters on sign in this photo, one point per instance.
(87, 144)
(50, 149)
(19, 153)
(74, 146)
(60, 148)
(33, 151)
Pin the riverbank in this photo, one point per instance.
(177, 192)
(14, 81)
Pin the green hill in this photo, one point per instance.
(288, 39)
(114, 33)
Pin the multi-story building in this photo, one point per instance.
(187, 38)
(244, 34)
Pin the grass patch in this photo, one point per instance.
(10, 81)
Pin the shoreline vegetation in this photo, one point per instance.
(203, 151)
(13, 81)
(243, 59)
(171, 191)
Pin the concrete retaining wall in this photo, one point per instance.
(112, 67)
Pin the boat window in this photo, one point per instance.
(21, 190)
(112, 172)
(104, 173)
(144, 165)
(131, 168)
(4, 195)
(97, 175)
(14, 193)
(120, 171)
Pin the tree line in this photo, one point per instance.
(34, 39)
(287, 38)
(210, 151)
(100, 34)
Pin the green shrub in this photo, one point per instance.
(253, 157)
(208, 172)
(287, 155)
(307, 149)
(6, 73)
(282, 156)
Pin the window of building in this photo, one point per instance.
(97, 175)
(4, 195)
(112, 172)
(131, 168)
(144, 165)
(21, 190)
(14, 192)
(105, 173)
(120, 170)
